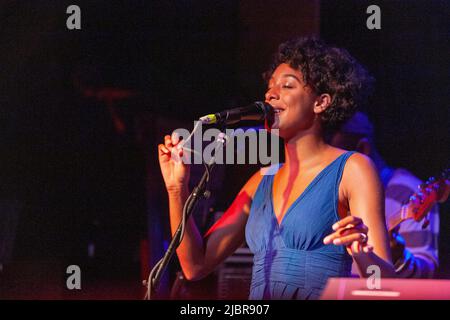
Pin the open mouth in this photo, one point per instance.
(277, 110)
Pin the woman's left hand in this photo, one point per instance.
(352, 233)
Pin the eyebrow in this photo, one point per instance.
(289, 75)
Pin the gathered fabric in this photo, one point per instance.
(290, 260)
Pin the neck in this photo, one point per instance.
(303, 149)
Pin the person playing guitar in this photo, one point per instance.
(414, 245)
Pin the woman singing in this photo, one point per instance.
(324, 206)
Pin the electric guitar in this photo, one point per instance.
(421, 202)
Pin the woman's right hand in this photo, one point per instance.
(174, 170)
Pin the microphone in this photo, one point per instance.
(257, 111)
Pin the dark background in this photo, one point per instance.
(77, 168)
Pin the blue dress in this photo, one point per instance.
(290, 260)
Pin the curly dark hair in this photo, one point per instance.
(329, 70)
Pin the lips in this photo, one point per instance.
(277, 110)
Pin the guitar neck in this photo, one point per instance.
(396, 218)
(421, 203)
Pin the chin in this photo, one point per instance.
(277, 131)
(283, 129)
(272, 123)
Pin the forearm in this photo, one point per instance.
(191, 250)
(365, 260)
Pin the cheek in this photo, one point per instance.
(300, 107)
(298, 100)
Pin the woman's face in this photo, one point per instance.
(292, 100)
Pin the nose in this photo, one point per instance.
(272, 94)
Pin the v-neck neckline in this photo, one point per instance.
(310, 185)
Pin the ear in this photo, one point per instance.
(322, 102)
(363, 146)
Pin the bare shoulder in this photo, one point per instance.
(357, 163)
(252, 184)
(359, 171)
(360, 162)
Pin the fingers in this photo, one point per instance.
(348, 240)
(171, 147)
(354, 248)
(349, 229)
(171, 150)
(175, 138)
(164, 153)
(163, 150)
(168, 142)
(358, 228)
(350, 220)
(357, 248)
(172, 141)
(352, 233)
